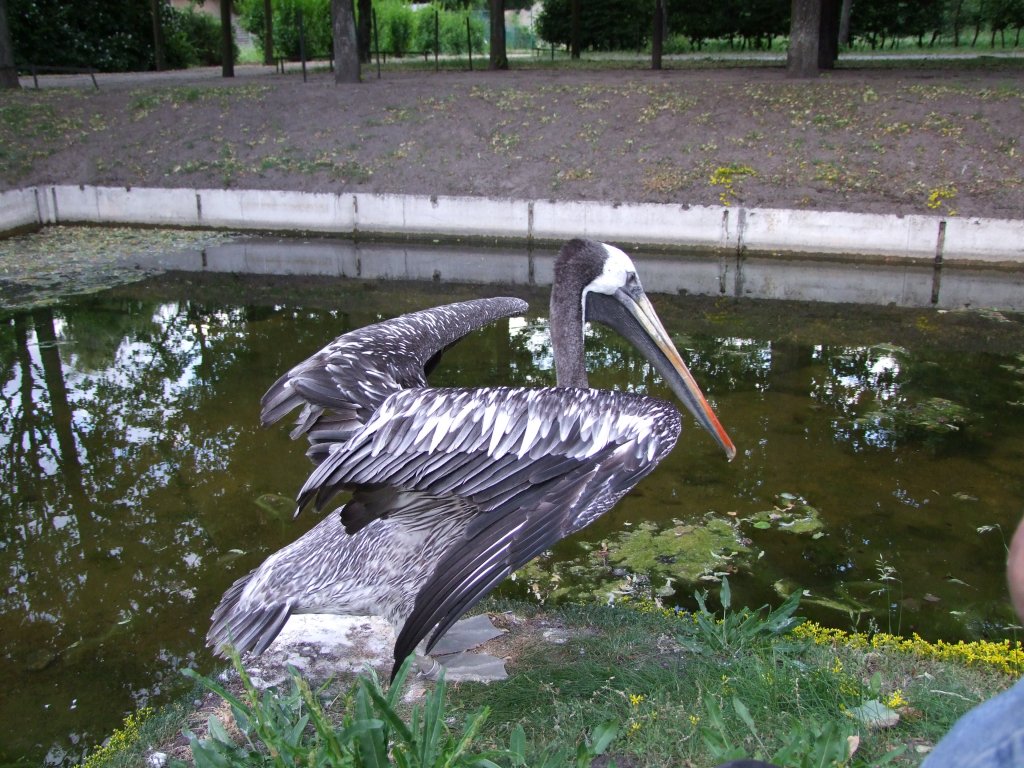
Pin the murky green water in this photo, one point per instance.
(137, 485)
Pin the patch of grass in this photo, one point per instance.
(144, 100)
(504, 99)
(643, 684)
(141, 731)
(231, 167)
(664, 102)
(33, 126)
(367, 726)
(682, 697)
(664, 178)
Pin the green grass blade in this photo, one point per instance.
(744, 715)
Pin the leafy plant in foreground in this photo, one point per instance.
(807, 744)
(293, 728)
(737, 630)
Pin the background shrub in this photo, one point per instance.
(110, 36)
(316, 24)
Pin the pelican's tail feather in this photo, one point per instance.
(250, 628)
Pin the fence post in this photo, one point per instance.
(437, 38)
(376, 39)
(469, 44)
(302, 42)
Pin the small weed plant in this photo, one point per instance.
(941, 199)
(807, 744)
(122, 738)
(727, 177)
(738, 630)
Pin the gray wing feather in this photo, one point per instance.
(252, 629)
(344, 383)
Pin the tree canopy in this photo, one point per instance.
(626, 24)
(108, 35)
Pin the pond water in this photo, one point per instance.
(877, 447)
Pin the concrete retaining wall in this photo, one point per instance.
(758, 230)
(19, 209)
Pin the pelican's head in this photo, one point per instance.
(602, 282)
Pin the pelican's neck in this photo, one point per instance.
(567, 333)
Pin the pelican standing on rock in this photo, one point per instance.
(453, 489)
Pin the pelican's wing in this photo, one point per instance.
(536, 464)
(340, 386)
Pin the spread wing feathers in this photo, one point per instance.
(252, 629)
(340, 386)
(499, 448)
(498, 544)
(535, 464)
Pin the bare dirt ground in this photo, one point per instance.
(943, 141)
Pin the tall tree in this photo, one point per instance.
(268, 32)
(575, 27)
(498, 57)
(813, 36)
(364, 30)
(227, 40)
(828, 34)
(844, 23)
(8, 72)
(659, 26)
(159, 57)
(346, 47)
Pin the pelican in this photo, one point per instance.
(453, 489)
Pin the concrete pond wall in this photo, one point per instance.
(758, 230)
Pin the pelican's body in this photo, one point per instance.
(453, 489)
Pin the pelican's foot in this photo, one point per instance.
(452, 652)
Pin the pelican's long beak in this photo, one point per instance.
(629, 312)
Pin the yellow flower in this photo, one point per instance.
(1006, 656)
(126, 735)
(896, 699)
(636, 699)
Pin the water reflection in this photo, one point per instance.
(894, 283)
(135, 479)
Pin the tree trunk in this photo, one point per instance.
(227, 40)
(804, 38)
(346, 48)
(844, 23)
(268, 32)
(159, 57)
(575, 27)
(498, 57)
(8, 72)
(364, 30)
(813, 37)
(658, 34)
(828, 45)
